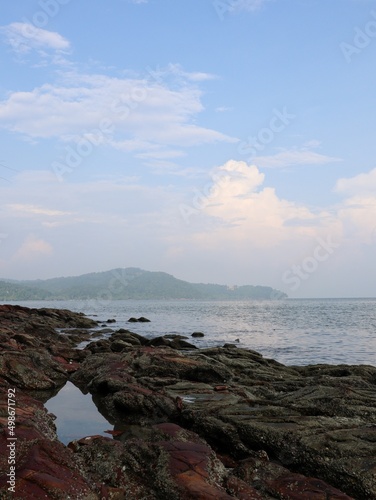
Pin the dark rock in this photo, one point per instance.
(120, 345)
(31, 369)
(173, 336)
(111, 320)
(143, 320)
(277, 481)
(172, 464)
(102, 331)
(209, 423)
(198, 334)
(102, 345)
(139, 320)
(130, 338)
(182, 344)
(159, 341)
(176, 343)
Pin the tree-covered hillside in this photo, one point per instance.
(13, 291)
(129, 283)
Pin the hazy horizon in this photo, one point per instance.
(225, 142)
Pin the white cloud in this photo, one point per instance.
(24, 37)
(358, 211)
(248, 212)
(223, 109)
(32, 209)
(364, 183)
(293, 157)
(125, 113)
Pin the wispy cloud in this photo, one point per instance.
(149, 114)
(32, 209)
(294, 157)
(33, 248)
(223, 109)
(142, 114)
(24, 37)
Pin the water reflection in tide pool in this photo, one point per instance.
(76, 415)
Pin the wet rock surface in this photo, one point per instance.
(188, 423)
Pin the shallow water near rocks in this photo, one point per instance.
(293, 331)
(76, 415)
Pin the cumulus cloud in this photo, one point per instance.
(248, 211)
(364, 183)
(24, 37)
(358, 210)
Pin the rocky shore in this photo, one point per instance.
(218, 423)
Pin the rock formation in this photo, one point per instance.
(218, 423)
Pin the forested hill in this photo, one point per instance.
(129, 283)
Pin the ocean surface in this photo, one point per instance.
(292, 331)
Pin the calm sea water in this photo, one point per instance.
(291, 331)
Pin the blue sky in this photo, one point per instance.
(226, 141)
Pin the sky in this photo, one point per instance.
(221, 141)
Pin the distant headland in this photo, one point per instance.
(129, 283)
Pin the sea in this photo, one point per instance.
(291, 331)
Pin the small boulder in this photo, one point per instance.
(143, 320)
(198, 334)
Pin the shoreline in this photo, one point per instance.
(220, 422)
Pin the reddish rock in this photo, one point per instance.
(241, 490)
(273, 479)
(31, 369)
(46, 469)
(298, 487)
